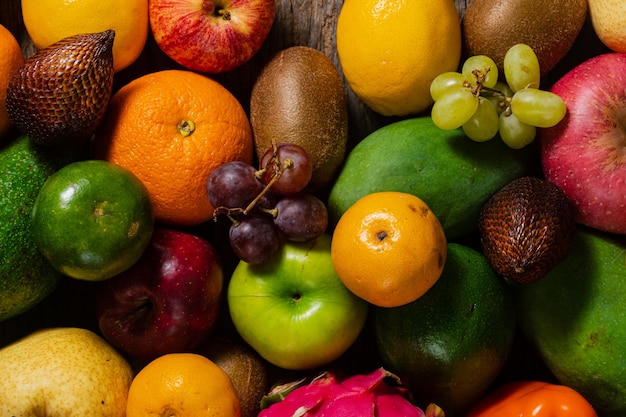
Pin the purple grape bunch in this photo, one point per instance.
(268, 203)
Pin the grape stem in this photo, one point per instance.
(477, 89)
(480, 75)
(278, 171)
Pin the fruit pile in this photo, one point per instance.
(277, 207)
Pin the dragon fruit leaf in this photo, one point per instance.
(349, 404)
(304, 398)
(280, 391)
(366, 382)
(393, 404)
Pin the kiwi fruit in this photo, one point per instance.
(60, 95)
(526, 229)
(299, 98)
(248, 372)
(491, 27)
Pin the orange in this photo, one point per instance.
(11, 59)
(48, 21)
(389, 248)
(182, 385)
(171, 129)
(391, 50)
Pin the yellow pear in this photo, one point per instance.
(609, 22)
(63, 372)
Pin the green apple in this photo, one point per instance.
(92, 219)
(293, 309)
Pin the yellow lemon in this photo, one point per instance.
(391, 50)
(48, 21)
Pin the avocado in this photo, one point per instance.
(449, 345)
(454, 175)
(299, 98)
(574, 317)
(26, 277)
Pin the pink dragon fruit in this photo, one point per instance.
(360, 395)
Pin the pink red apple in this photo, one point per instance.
(585, 154)
(211, 36)
(167, 302)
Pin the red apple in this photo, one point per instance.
(166, 302)
(211, 36)
(585, 154)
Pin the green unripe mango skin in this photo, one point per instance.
(26, 277)
(575, 317)
(454, 175)
(449, 345)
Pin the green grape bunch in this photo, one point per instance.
(483, 106)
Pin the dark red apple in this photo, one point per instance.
(585, 154)
(211, 36)
(166, 302)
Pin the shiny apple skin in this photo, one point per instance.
(211, 36)
(168, 301)
(585, 154)
(293, 309)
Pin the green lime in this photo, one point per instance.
(92, 219)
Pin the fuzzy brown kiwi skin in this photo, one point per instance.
(248, 372)
(299, 98)
(491, 27)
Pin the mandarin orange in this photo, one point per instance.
(389, 248)
(171, 128)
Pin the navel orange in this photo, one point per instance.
(10, 60)
(389, 248)
(182, 385)
(171, 128)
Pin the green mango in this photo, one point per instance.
(454, 175)
(449, 345)
(575, 317)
